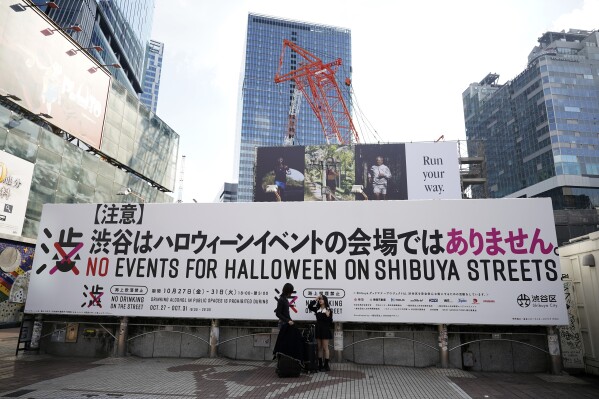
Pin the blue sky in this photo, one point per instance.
(411, 63)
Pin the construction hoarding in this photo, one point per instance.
(448, 261)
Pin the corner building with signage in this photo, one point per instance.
(541, 129)
(115, 150)
(264, 105)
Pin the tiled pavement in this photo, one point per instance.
(33, 376)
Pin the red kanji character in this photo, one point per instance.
(538, 241)
(456, 242)
(475, 235)
(517, 241)
(493, 239)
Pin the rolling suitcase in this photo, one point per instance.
(310, 350)
(288, 366)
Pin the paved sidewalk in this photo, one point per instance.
(40, 376)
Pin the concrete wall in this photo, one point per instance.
(501, 348)
(169, 341)
(246, 343)
(91, 340)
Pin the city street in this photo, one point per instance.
(31, 376)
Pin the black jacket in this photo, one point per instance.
(282, 310)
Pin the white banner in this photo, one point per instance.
(448, 261)
(15, 182)
(433, 170)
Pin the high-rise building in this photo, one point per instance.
(264, 108)
(120, 27)
(228, 193)
(541, 129)
(151, 81)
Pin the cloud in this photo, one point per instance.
(584, 17)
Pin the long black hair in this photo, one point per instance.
(287, 290)
(326, 301)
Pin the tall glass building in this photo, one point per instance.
(151, 81)
(541, 129)
(265, 105)
(121, 27)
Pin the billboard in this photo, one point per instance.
(281, 168)
(39, 65)
(361, 172)
(450, 261)
(15, 181)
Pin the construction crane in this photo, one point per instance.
(180, 194)
(316, 82)
(296, 101)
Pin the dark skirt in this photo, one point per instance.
(322, 331)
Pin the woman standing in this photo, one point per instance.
(324, 322)
(282, 310)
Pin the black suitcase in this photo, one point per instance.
(311, 357)
(310, 350)
(288, 366)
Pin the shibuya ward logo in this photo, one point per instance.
(523, 300)
(67, 248)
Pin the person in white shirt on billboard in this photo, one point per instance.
(379, 176)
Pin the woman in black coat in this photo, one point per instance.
(282, 310)
(324, 322)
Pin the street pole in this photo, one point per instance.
(123, 333)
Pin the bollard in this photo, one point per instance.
(123, 333)
(338, 342)
(554, 351)
(214, 334)
(443, 351)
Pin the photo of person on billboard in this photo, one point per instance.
(381, 171)
(279, 174)
(281, 171)
(379, 175)
(329, 173)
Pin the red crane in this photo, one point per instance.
(316, 81)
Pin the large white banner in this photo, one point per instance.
(447, 261)
(433, 170)
(15, 181)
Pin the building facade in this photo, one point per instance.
(264, 105)
(151, 81)
(541, 129)
(120, 27)
(228, 193)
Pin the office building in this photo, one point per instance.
(228, 193)
(264, 105)
(541, 129)
(151, 81)
(121, 28)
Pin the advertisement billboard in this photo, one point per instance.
(42, 67)
(447, 261)
(279, 174)
(433, 171)
(15, 181)
(361, 172)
